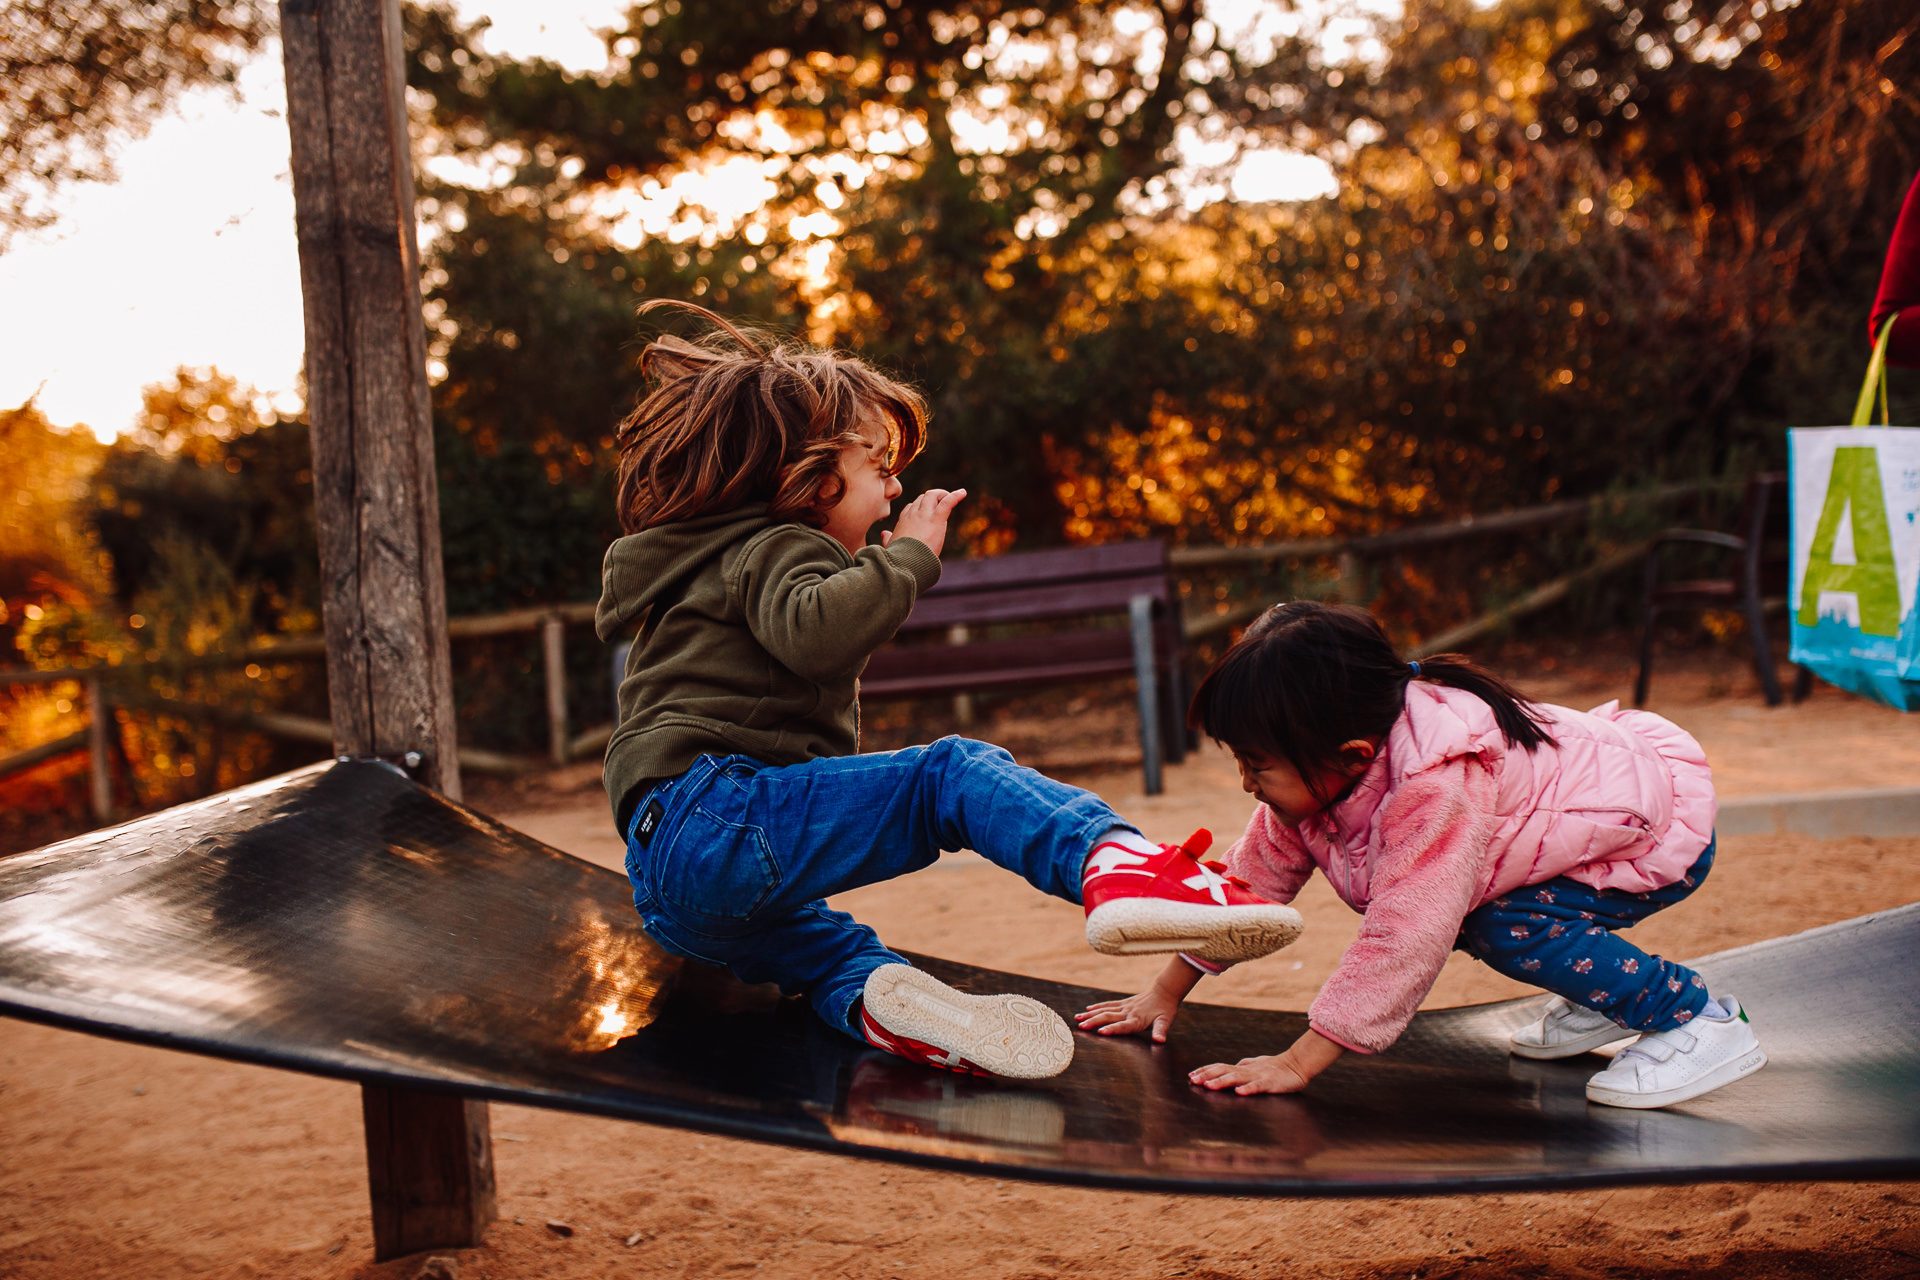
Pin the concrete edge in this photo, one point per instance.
(1824, 815)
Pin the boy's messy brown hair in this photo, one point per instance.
(742, 417)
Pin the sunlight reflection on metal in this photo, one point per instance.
(625, 986)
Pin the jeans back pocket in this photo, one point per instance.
(712, 866)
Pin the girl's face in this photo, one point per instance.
(1274, 782)
(871, 488)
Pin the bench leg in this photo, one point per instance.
(1173, 702)
(1762, 649)
(429, 1169)
(1140, 611)
(1802, 682)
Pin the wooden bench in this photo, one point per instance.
(982, 628)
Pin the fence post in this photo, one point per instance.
(99, 717)
(553, 637)
(962, 702)
(1349, 591)
(618, 669)
(377, 509)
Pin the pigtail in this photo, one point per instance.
(1518, 720)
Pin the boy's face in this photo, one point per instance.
(870, 487)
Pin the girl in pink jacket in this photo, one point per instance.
(1452, 814)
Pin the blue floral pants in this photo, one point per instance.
(1559, 935)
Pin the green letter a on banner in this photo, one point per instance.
(1854, 491)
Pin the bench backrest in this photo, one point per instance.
(1032, 586)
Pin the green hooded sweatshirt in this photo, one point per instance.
(755, 633)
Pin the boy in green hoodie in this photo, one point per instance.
(749, 479)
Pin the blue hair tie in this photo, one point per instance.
(1414, 667)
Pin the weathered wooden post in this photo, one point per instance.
(100, 777)
(553, 646)
(429, 1156)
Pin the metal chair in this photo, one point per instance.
(1761, 566)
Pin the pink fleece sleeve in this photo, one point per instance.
(1434, 834)
(1271, 857)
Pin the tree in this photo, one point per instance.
(893, 224)
(205, 509)
(1570, 250)
(82, 73)
(48, 558)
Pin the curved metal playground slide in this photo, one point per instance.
(343, 921)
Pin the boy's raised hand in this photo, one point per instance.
(1151, 1011)
(925, 519)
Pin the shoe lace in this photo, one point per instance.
(1220, 869)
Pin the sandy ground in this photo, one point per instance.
(121, 1160)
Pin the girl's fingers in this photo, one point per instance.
(1219, 1075)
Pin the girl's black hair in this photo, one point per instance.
(1307, 677)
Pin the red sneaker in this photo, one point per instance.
(921, 1018)
(1170, 901)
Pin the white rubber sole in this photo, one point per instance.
(1725, 1074)
(1569, 1048)
(1598, 1038)
(1008, 1035)
(1224, 935)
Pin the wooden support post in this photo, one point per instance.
(553, 638)
(389, 680)
(99, 725)
(422, 1149)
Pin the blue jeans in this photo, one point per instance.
(1558, 934)
(730, 861)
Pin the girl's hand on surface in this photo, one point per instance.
(1286, 1072)
(1151, 1011)
(1272, 1074)
(925, 518)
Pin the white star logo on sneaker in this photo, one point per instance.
(1112, 857)
(1211, 881)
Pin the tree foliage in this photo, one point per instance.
(205, 508)
(48, 558)
(1576, 241)
(80, 74)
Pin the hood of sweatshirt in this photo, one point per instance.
(642, 567)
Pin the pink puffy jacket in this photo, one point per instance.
(1450, 816)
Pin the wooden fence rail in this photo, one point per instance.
(1564, 511)
(549, 620)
